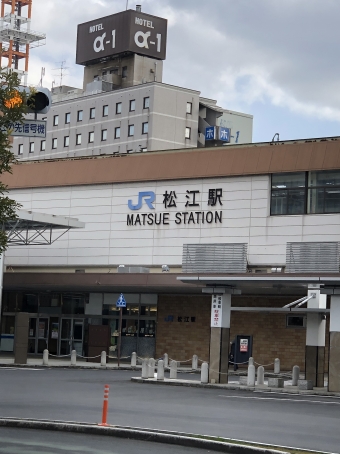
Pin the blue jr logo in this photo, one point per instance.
(149, 198)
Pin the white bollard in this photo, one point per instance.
(195, 362)
(45, 357)
(103, 359)
(295, 375)
(145, 368)
(276, 366)
(152, 363)
(173, 370)
(260, 375)
(133, 359)
(73, 358)
(160, 370)
(204, 373)
(251, 376)
(251, 361)
(166, 360)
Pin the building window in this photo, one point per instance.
(43, 145)
(118, 108)
(104, 134)
(146, 103)
(31, 148)
(67, 118)
(189, 107)
(80, 115)
(132, 105)
(105, 111)
(131, 130)
(92, 113)
(20, 148)
(295, 321)
(288, 193)
(145, 128)
(66, 141)
(54, 143)
(55, 120)
(124, 71)
(117, 133)
(187, 133)
(78, 139)
(324, 192)
(91, 137)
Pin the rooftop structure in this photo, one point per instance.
(16, 36)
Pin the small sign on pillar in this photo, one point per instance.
(220, 311)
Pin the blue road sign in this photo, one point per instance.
(121, 301)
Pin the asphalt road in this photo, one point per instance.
(16, 441)
(309, 422)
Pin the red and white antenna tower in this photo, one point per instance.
(16, 36)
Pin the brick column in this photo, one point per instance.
(315, 338)
(334, 345)
(219, 338)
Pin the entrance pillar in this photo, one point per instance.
(219, 337)
(315, 337)
(334, 345)
(21, 337)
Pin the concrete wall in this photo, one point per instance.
(139, 70)
(241, 126)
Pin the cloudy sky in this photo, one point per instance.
(275, 59)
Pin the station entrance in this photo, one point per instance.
(59, 335)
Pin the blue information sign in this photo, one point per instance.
(121, 301)
(210, 133)
(224, 134)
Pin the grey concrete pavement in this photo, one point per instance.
(309, 422)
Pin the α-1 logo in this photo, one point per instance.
(148, 197)
(142, 39)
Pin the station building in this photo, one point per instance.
(257, 224)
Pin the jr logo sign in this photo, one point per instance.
(148, 197)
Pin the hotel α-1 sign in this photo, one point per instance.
(126, 32)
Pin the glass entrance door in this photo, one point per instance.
(42, 334)
(72, 336)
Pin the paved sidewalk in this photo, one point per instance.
(234, 385)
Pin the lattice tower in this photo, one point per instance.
(16, 36)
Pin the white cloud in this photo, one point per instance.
(277, 53)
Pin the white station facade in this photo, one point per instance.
(256, 224)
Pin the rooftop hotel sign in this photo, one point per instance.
(120, 34)
(188, 211)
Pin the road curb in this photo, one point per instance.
(64, 366)
(234, 387)
(137, 434)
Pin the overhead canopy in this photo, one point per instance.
(272, 283)
(38, 228)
